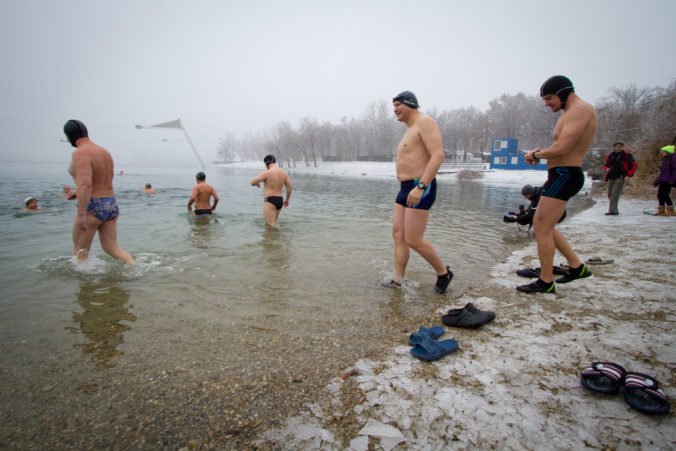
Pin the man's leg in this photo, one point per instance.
(108, 238)
(548, 213)
(401, 249)
(414, 230)
(270, 214)
(82, 239)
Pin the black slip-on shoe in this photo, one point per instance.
(539, 286)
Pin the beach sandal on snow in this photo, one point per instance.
(535, 272)
(599, 261)
(603, 377)
(433, 333)
(643, 393)
(429, 349)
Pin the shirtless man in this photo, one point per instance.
(273, 179)
(201, 196)
(92, 169)
(573, 134)
(419, 156)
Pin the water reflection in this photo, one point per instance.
(201, 230)
(104, 305)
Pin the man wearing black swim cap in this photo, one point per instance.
(92, 169)
(573, 134)
(419, 156)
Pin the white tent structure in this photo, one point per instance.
(179, 125)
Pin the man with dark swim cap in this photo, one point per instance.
(274, 179)
(92, 169)
(419, 156)
(201, 196)
(573, 134)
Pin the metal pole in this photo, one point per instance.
(192, 146)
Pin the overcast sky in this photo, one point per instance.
(242, 66)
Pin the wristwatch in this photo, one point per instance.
(422, 186)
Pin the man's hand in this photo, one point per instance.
(414, 196)
(81, 222)
(531, 158)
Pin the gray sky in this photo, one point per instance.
(241, 67)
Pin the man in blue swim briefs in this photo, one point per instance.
(274, 179)
(419, 156)
(573, 134)
(92, 170)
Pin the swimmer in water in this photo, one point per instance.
(149, 189)
(31, 204)
(202, 193)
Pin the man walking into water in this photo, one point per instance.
(92, 170)
(573, 134)
(201, 196)
(419, 156)
(274, 179)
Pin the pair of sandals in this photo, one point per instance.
(641, 392)
(427, 347)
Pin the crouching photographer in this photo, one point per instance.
(525, 215)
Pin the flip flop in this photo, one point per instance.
(603, 377)
(429, 349)
(599, 261)
(433, 333)
(643, 393)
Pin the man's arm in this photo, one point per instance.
(214, 194)
(83, 172)
(289, 188)
(574, 126)
(431, 138)
(256, 181)
(193, 197)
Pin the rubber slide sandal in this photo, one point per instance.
(643, 393)
(603, 377)
(599, 261)
(433, 333)
(429, 349)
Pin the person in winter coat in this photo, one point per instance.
(619, 164)
(665, 180)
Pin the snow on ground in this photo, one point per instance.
(514, 384)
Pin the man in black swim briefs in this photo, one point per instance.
(419, 156)
(573, 134)
(201, 196)
(92, 169)
(274, 179)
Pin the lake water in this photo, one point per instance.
(224, 326)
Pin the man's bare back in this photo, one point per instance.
(92, 165)
(201, 196)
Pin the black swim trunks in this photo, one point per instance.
(203, 211)
(426, 200)
(277, 201)
(563, 182)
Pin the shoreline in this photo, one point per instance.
(514, 383)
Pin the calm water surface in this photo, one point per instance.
(216, 299)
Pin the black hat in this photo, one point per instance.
(407, 98)
(201, 176)
(558, 85)
(269, 159)
(75, 130)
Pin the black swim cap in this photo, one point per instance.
(269, 159)
(558, 85)
(407, 98)
(527, 190)
(75, 130)
(201, 176)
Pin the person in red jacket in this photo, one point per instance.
(619, 164)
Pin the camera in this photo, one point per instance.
(522, 209)
(508, 218)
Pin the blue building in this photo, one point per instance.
(505, 155)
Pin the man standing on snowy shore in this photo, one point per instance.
(419, 156)
(573, 134)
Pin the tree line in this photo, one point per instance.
(641, 117)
